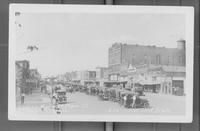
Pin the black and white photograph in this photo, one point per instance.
(100, 63)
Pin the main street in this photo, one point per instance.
(82, 103)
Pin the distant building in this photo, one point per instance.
(83, 77)
(34, 78)
(74, 75)
(22, 74)
(67, 77)
(22, 69)
(89, 75)
(101, 75)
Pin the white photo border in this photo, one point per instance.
(54, 8)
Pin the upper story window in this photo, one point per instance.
(168, 60)
(133, 59)
(181, 61)
(145, 59)
(158, 60)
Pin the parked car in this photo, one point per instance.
(133, 100)
(103, 93)
(139, 102)
(126, 98)
(112, 94)
(59, 97)
(118, 94)
(139, 89)
(92, 90)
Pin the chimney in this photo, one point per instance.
(181, 44)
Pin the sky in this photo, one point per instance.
(74, 41)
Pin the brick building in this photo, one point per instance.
(101, 75)
(22, 74)
(34, 78)
(157, 67)
(121, 56)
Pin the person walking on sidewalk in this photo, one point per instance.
(22, 98)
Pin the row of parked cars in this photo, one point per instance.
(125, 97)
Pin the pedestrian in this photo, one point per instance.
(125, 100)
(134, 97)
(133, 89)
(42, 107)
(22, 98)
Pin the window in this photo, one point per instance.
(158, 59)
(145, 59)
(133, 59)
(168, 61)
(180, 60)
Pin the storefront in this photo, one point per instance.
(151, 86)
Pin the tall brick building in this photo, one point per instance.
(121, 56)
(139, 63)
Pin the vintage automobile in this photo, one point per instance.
(118, 93)
(91, 90)
(125, 97)
(59, 97)
(138, 88)
(133, 100)
(103, 93)
(75, 87)
(112, 94)
(69, 89)
(139, 102)
(82, 88)
(121, 95)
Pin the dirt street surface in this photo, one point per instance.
(82, 103)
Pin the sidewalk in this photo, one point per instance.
(35, 99)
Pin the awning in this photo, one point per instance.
(147, 82)
(117, 82)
